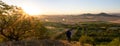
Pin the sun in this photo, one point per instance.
(32, 10)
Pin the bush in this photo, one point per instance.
(86, 39)
(115, 42)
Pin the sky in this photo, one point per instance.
(66, 6)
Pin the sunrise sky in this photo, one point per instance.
(36, 7)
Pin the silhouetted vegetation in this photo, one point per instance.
(16, 25)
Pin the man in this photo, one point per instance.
(68, 35)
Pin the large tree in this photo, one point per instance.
(15, 24)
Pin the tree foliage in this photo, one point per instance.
(16, 25)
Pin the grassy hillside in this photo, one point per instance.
(94, 33)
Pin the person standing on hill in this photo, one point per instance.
(68, 34)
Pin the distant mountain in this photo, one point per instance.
(104, 14)
(103, 17)
(100, 14)
(118, 14)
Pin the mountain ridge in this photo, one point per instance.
(81, 18)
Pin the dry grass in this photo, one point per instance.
(34, 43)
(42, 43)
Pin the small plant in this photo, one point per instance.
(86, 39)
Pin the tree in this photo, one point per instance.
(15, 24)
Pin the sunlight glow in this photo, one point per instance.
(32, 10)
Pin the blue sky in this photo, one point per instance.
(69, 6)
